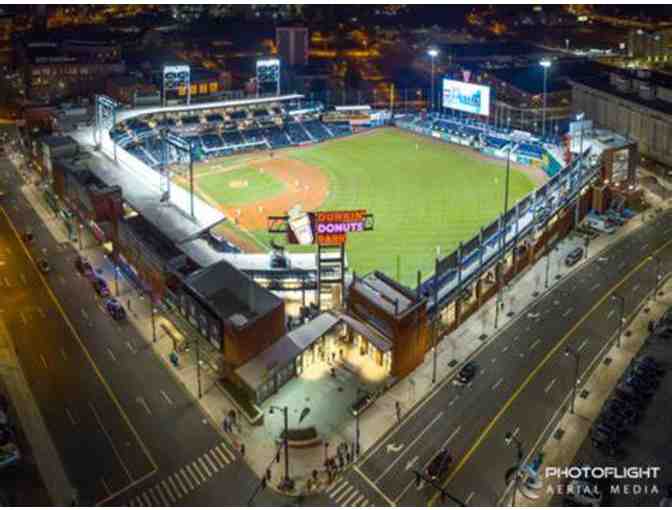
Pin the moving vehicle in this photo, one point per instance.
(115, 309)
(439, 465)
(101, 287)
(466, 374)
(574, 256)
(84, 267)
(43, 265)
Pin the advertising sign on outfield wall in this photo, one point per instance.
(327, 228)
(466, 97)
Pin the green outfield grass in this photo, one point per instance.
(260, 186)
(434, 196)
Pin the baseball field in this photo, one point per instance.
(425, 195)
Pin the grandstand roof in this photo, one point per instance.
(387, 294)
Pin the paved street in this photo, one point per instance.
(126, 431)
(523, 378)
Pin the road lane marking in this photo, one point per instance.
(70, 416)
(225, 454)
(179, 482)
(469, 497)
(453, 401)
(168, 490)
(501, 380)
(23, 279)
(417, 438)
(194, 464)
(41, 312)
(217, 458)
(107, 488)
(155, 498)
(44, 361)
(130, 347)
(535, 343)
(515, 431)
(186, 478)
(211, 463)
(143, 403)
(107, 435)
(451, 436)
(358, 501)
(583, 344)
(193, 475)
(85, 315)
(109, 351)
(337, 488)
(548, 388)
(147, 500)
(205, 467)
(493, 360)
(373, 485)
(634, 289)
(165, 396)
(610, 314)
(567, 312)
(486, 431)
(344, 494)
(506, 348)
(353, 496)
(23, 318)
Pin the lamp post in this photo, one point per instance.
(658, 277)
(621, 300)
(355, 454)
(433, 53)
(508, 439)
(546, 64)
(502, 243)
(287, 481)
(577, 360)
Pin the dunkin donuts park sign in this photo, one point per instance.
(327, 228)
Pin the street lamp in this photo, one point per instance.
(355, 454)
(508, 439)
(433, 53)
(546, 64)
(503, 236)
(621, 300)
(287, 482)
(577, 360)
(658, 276)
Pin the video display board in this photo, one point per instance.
(327, 228)
(466, 97)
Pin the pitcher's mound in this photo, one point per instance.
(238, 184)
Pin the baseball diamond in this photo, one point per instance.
(380, 171)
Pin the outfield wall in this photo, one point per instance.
(524, 224)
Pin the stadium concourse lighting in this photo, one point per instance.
(433, 53)
(546, 64)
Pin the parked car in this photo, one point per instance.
(115, 309)
(439, 465)
(100, 285)
(629, 392)
(84, 267)
(600, 224)
(43, 265)
(466, 374)
(574, 256)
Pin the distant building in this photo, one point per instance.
(292, 44)
(635, 105)
(650, 46)
(53, 69)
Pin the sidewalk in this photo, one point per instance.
(574, 428)
(260, 441)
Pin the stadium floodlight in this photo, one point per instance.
(433, 53)
(546, 64)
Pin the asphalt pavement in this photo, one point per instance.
(125, 429)
(523, 378)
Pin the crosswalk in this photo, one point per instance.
(343, 493)
(188, 478)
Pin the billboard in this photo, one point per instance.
(324, 228)
(466, 97)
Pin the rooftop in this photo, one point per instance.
(601, 83)
(385, 293)
(231, 293)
